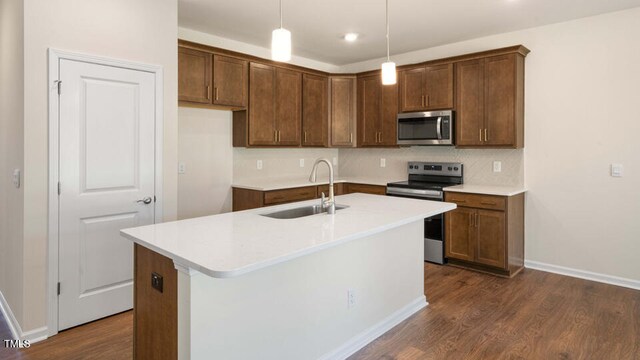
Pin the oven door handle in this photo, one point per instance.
(439, 127)
(433, 194)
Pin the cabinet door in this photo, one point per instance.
(389, 122)
(459, 234)
(342, 111)
(229, 81)
(262, 125)
(491, 238)
(288, 106)
(369, 110)
(315, 110)
(439, 87)
(412, 82)
(469, 102)
(194, 76)
(500, 97)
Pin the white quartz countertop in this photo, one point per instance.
(277, 184)
(232, 244)
(487, 189)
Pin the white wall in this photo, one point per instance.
(204, 146)
(11, 152)
(581, 91)
(142, 31)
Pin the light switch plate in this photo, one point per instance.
(497, 166)
(301, 162)
(617, 170)
(259, 164)
(182, 168)
(335, 161)
(383, 162)
(16, 178)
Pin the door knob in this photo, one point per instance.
(146, 200)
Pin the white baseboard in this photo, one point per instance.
(583, 274)
(33, 336)
(361, 340)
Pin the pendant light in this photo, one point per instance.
(388, 67)
(281, 42)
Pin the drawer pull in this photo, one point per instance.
(460, 201)
(488, 203)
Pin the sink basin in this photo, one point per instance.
(300, 212)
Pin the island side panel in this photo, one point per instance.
(155, 313)
(299, 309)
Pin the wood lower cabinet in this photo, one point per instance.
(342, 93)
(377, 112)
(194, 76)
(486, 232)
(275, 108)
(426, 88)
(155, 313)
(490, 101)
(315, 110)
(245, 199)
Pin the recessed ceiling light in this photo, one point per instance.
(350, 37)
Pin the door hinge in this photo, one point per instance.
(58, 288)
(59, 188)
(59, 85)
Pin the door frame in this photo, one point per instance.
(55, 56)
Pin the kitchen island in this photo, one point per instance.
(250, 286)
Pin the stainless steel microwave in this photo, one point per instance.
(426, 128)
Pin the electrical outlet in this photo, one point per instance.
(16, 178)
(259, 164)
(497, 166)
(301, 162)
(335, 161)
(383, 162)
(617, 170)
(351, 298)
(182, 168)
(156, 281)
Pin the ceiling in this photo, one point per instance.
(317, 25)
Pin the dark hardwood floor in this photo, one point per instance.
(535, 315)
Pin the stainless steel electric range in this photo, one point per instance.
(426, 181)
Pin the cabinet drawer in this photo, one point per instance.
(367, 189)
(338, 189)
(476, 200)
(289, 195)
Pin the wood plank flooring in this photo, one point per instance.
(535, 315)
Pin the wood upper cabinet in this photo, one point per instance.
(426, 88)
(377, 112)
(288, 106)
(229, 81)
(490, 102)
(194, 76)
(275, 97)
(486, 232)
(206, 78)
(342, 92)
(315, 110)
(262, 105)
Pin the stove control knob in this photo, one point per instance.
(450, 168)
(410, 166)
(455, 168)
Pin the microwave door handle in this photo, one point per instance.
(439, 128)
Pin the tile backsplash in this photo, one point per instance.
(478, 163)
(279, 163)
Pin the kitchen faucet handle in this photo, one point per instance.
(322, 200)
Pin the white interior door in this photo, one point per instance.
(106, 160)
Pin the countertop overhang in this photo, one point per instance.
(232, 244)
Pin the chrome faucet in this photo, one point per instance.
(330, 203)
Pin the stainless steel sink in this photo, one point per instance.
(300, 212)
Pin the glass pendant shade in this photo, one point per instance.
(388, 73)
(281, 45)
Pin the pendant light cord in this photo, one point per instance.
(280, 14)
(387, 11)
